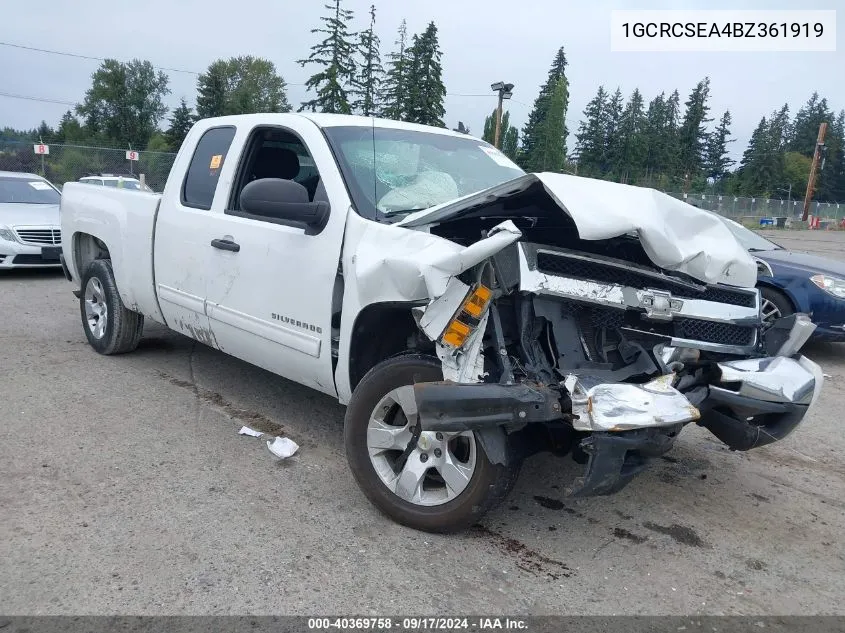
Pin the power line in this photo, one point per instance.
(42, 99)
(102, 59)
(78, 56)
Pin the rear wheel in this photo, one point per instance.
(775, 306)
(109, 326)
(437, 482)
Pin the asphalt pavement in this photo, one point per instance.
(126, 489)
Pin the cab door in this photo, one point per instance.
(183, 234)
(271, 284)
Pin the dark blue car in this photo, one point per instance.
(797, 282)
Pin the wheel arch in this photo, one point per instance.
(86, 249)
(380, 331)
(769, 284)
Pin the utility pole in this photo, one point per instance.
(811, 181)
(505, 92)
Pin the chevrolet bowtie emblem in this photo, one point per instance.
(660, 305)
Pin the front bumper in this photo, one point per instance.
(746, 404)
(17, 255)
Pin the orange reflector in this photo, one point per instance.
(456, 333)
(477, 302)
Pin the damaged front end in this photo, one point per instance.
(565, 347)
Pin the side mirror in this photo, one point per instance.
(283, 201)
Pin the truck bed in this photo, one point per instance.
(123, 219)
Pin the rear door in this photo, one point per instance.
(184, 233)
(270, 297)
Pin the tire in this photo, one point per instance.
(775, 305)
(109, 327)
(435, 510)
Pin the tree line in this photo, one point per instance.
(664, 143)
(671, 147)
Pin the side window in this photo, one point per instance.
(276, 153)
(204, 170)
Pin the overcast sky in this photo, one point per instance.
(483, 41)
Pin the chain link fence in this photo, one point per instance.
(66, 162)
(752, 210)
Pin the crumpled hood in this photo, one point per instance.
(675, 235)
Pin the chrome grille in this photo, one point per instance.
(39, 237)
(561, 264)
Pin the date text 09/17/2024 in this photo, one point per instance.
(417, 624)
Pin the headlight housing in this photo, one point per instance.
(831, 285)
(7, 234)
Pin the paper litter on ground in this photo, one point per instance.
(245, 430)
(282, 447)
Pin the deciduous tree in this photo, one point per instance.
(125, 102)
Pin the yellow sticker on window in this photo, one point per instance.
(216, 161)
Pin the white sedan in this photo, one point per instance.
(30, 224)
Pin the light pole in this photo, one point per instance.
(505, 92)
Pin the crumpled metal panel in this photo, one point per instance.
(674, 234)
(413, 265)
(778, 379)
(623, 406)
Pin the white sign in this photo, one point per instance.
(41, 149)
(706, 30)
(131, 154)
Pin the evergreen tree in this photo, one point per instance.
(762, 171)
(537, 117)
(510, 143)
(590, 144)
(394, 96)
(240, 85)
(656, 159)
(671, 127)
(489, 134)
(831, 183)
(45, 133)
(212, 86)
(717, 162)
(611, 144)
(630, 140)
(692, 135)
(69, 130)
(334, 56)
(805, 129)
(752, 168)
(181, 121)
(550, 142)
(371, 72)
(425, 83)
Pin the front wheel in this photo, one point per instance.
(436, 482)
(109, 326)
(775, 305)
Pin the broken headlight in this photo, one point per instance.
(831, 285)
(467, 318)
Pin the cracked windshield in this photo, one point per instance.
(394, 172)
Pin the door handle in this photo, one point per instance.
(226, 245)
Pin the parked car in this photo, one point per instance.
(30, 224)
(793, 282)
(468, 314)
(110, 180)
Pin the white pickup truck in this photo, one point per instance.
(468, 314)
